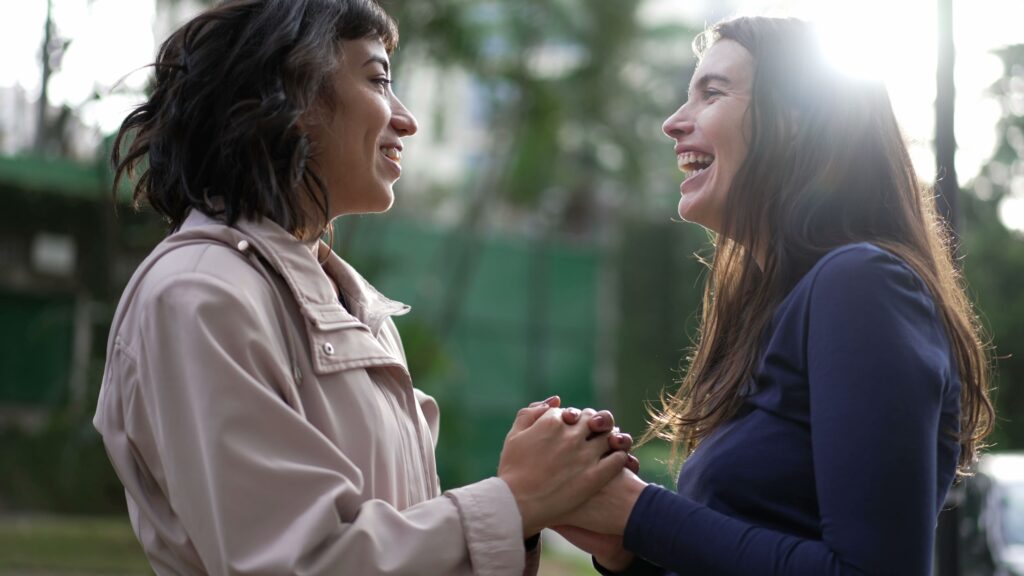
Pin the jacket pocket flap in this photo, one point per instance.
(330, 316)
(347, 346)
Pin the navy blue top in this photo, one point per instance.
(842, 455)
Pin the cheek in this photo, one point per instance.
(377, 118)
(331, 140)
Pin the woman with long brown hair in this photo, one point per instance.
(839, 380)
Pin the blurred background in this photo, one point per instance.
(534, 232)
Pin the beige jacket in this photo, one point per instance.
(260, 428)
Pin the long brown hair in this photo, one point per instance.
(826, 166)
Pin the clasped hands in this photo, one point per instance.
(571, 470)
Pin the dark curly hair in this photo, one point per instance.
(221, 130)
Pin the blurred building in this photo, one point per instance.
(17, 107)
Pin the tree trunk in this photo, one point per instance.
(947, 186)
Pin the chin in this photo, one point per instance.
(703, 206)
(386, 202)
(697, 213)
(689, 209)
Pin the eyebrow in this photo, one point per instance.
(378, 60)
(706, 79)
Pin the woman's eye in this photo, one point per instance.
(710, 93)
(383, 82)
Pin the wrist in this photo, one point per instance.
(531, 527)
(628, 495)
(527, 514)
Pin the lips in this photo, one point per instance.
(694, 180)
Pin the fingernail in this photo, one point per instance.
(598, 419)
(574, 411)
(550, 400)
(535, 404)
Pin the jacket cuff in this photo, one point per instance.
(492, 526)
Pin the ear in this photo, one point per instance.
(311, 117)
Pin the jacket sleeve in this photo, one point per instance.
(257, 488)
(878, 367)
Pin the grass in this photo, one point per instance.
(85, 546)
(69, 545)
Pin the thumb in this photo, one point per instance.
(526, 417)
(609, 467)
(553, 401)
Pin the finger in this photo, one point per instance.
(586, 416)
(632, 464)
(571, 415)
(526, 417)
(620, 441)
(595, 446)
(553, 402)
(602, 421)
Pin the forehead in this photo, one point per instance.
(726, 60)
(358, 52)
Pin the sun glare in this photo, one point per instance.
(896, 43)
(894, 48)
(1011, 212)
(845, 48)
(108, 39)
(897, 50)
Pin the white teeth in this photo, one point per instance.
(693, 163)
(392, 153)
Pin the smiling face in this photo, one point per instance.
(357, 139)
(711, 131)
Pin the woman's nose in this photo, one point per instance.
(678, 124)
(401, 119)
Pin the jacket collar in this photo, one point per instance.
(305, 277)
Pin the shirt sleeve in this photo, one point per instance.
(878, 365)
(258, 489)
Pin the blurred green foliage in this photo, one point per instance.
(994, 256)
(575, 92)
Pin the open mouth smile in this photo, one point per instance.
(694, 163)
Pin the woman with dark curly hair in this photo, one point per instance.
(256, 402)
(839, 381)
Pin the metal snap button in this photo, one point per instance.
(328, 348)
(243, 245)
